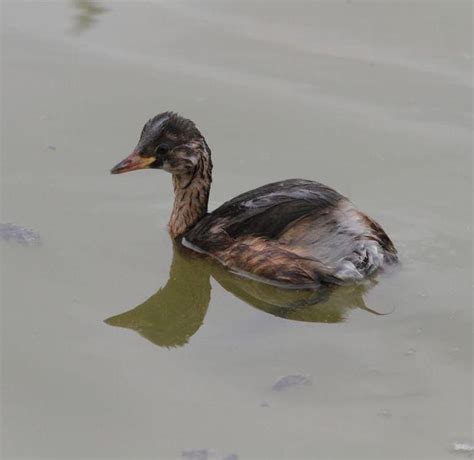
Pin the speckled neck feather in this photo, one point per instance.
(191, 194)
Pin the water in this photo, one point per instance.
(105, 356)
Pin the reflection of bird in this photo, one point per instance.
(325, 305)
(87, 13)
(175, 313)
(295, 233)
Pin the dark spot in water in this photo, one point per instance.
(290, 381)
(22, 235)
(52, 147)
(88, 12)
(205, 454)
(197, 454)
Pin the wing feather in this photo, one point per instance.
(264, 212)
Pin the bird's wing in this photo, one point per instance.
(264, 212)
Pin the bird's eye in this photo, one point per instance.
(161, 149)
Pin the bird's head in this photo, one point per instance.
(169, 142)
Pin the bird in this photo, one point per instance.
(293, 233)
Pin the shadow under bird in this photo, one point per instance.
(294, 233)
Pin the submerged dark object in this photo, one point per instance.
(292, 233)
(289, 381)
(22, 235)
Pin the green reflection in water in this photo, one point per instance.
(86, 15)
(173, 314)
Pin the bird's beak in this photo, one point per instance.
(131, 163)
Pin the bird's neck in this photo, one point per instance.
(191, 196)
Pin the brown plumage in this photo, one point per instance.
(294, 233)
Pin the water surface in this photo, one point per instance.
(117, 345)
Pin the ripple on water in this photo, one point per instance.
(464, 448)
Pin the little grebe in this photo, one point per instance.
(294, 233)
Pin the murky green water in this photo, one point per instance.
(114, 345)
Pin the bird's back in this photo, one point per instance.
(294, 232)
